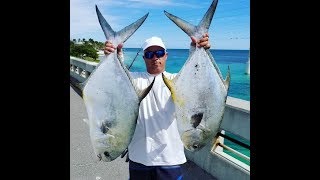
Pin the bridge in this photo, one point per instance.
(210, 163)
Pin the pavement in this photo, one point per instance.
(85, 166)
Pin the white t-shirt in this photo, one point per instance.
(156, 140)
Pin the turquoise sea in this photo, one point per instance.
(235, 59)
(239, 84)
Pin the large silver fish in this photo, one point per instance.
(111, 99)
(198, 91)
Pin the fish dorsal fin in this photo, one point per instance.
(122, 35)
(143, 93)
(215, 65)
(192, 30)
(226, 82)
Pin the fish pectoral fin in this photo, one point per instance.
(168, 83)
(110, 136)
(143, 93)
(171, 86)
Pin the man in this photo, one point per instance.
(156, 150)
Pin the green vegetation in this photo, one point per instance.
(86, 50)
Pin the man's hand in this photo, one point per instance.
(203, 42)
(110, 48)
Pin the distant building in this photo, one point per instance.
(79, 42)
(100, 53)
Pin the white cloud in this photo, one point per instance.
(158, 3)
(150, 2)
(83, 17)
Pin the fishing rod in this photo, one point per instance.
(135, 58)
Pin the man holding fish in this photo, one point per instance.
(156, 150)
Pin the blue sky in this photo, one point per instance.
(229, 29)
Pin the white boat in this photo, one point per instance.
(248, 65)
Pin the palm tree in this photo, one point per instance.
(91, 41)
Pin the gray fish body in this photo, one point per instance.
(198, 91)
(112, 106)
(111, 99)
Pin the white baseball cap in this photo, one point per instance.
(153, 41)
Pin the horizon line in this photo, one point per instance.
(185, 48)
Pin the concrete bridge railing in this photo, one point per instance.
(236, 120)
(212, 158)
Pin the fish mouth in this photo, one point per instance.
(196, 138)
(194, 147)
(105, 150)
(105, 156)
(193, 139)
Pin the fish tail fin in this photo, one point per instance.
(142, 94)
(106, 28)
(207, 18)
(192, 30)
(184, 25)
(122, 35)
(77, 86)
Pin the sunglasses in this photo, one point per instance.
(150, 54)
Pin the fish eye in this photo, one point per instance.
(195, 146)
(106, 154)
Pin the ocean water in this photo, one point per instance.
(235, 59)
(239, 84)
